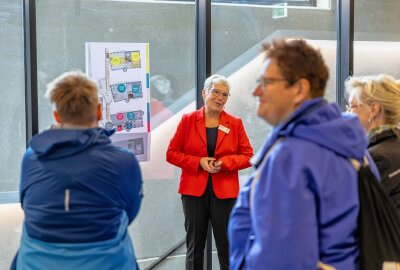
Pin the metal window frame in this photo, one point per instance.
(30, 66)
(30, 77)
(344, 48)
(305, 3)
(202, 47)
(202, 71)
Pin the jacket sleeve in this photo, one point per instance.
(24, 173)
(286, 222)
(305, 205)
(239, 227)
(132, 189)
(175, 152)
(240, 160)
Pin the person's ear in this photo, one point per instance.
(375, 109)
(99, 112)
(303, 91)
(203, 94)
(57, 117)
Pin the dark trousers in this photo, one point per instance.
(198, 211)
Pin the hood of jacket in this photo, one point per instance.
(58, 143)
(323, 124)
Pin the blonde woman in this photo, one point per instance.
(376, 101)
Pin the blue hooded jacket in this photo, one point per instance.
(78, 188)
(300, 205)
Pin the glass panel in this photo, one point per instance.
(12, 92)
(169, 29)
(377, 34)
(241, 29)
(238, 32)
(12, 125)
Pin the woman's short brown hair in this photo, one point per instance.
(298, 60)
(75, 97)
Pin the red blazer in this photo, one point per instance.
(189, 145)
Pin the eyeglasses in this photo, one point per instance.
(350, 107)
(218, 93)
(264, 81)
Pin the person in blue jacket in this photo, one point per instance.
(78, 191)
(299, 208)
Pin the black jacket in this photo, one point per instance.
(385, 151)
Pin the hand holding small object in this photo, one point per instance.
(206, 164)
(216, 165)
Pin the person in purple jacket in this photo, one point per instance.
(299, 208)
(78, 191)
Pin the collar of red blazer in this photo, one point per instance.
(223, 117)
(200, 123)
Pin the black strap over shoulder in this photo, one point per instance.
(379, 223)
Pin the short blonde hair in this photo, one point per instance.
(213, 79)
(382, 89)
(74, 96)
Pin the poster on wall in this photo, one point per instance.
(121, 71)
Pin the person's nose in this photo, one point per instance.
(257, 90)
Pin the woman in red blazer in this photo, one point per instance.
(210, 146)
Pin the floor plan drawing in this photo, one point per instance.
(121, 71)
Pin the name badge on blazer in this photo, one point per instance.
(224, 129)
